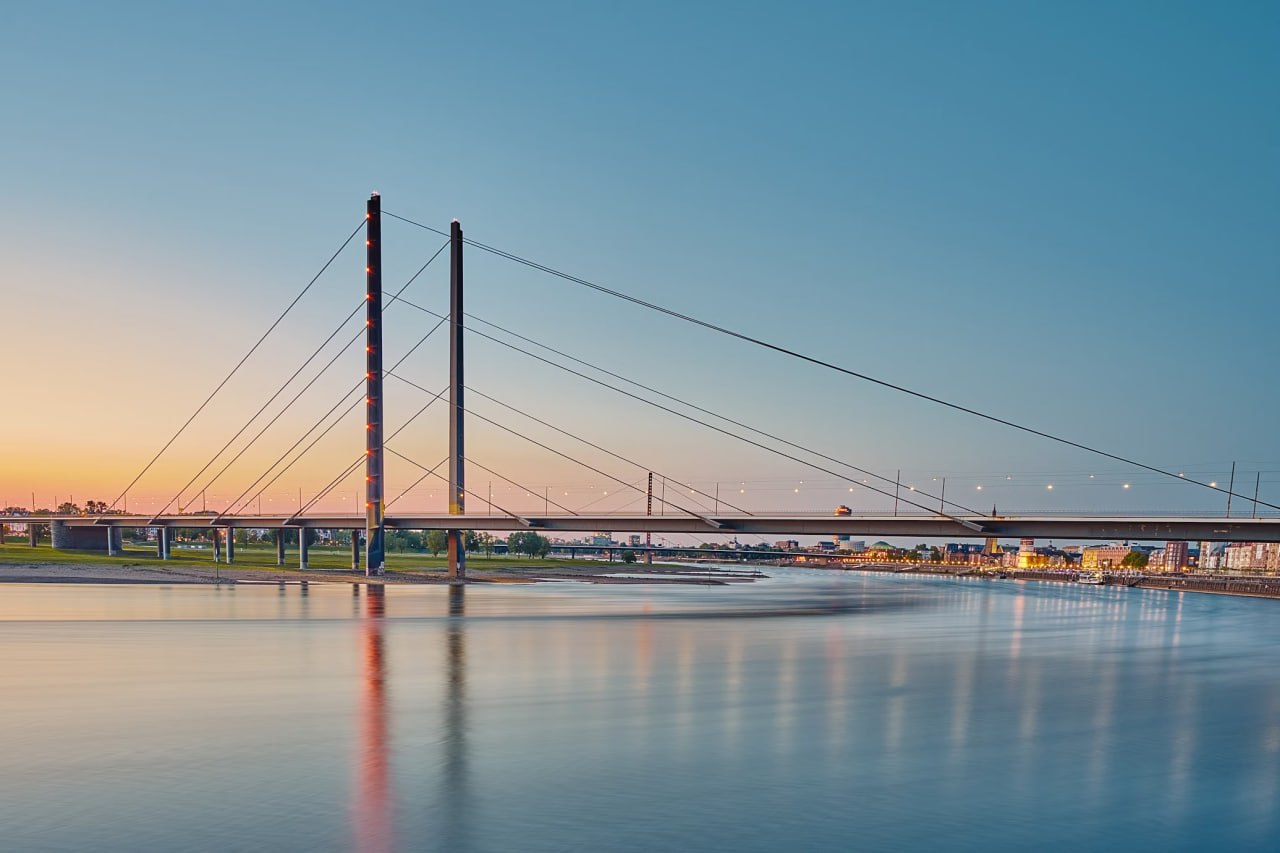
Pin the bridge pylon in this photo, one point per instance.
(457, 486)
(375, 551)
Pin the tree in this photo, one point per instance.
(528, 543)
(437, 541)
(1135, 560)
(628, 556)
(935, 554)
(68, 508)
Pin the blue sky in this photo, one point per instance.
(1063, 214)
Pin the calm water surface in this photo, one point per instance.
(810, 711)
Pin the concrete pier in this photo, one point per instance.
(33, 535)
(355, 550)
(302, 547)
(64, 537)
(162, 543)
(231, 545)
(217, 545)
(280, 547)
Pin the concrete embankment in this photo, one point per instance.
(1257, 587)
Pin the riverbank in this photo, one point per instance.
(1253, 587)
(21, 564)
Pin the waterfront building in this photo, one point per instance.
(1103, 556)
(1248, 556)
(1210, 556)
(1273, 557)
(1026, 552)
(1176, 556)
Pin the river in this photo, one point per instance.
(813, 710)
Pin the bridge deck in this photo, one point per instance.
(1005, 527)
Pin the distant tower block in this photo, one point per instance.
(1026, 552)
(992, 548)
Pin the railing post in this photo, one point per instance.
(375, 559)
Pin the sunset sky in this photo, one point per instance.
(1062, 215)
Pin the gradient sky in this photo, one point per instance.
(1063, 214)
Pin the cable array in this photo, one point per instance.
(823, 363)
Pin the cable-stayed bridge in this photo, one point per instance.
(917, 512)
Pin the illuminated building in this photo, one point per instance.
(1103, 556)
(1176, 556)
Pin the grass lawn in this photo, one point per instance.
(263, 556)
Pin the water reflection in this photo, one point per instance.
(890, 710)
(453, 778)
(373, 831)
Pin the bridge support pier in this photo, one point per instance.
(279, 546)
(162, 543)
(217, 544)
(33, 535)
(355, 550)
(302, 548)
(111, 541)
(231, 545)
(4, 531)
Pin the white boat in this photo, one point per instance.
(1089, 577)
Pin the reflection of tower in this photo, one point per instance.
(373, 801)
(453, 780)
